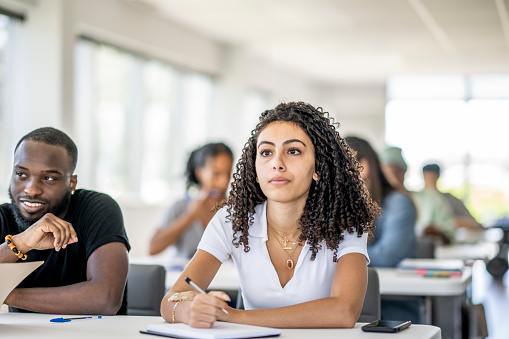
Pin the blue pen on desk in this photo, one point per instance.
(197, 288)
(65, 320)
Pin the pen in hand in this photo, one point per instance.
(198, 289)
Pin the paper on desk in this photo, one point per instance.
(219, 330)
(14, 273)
(432, 264)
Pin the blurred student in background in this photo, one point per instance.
(394, 237)
(462, 217)
(434, 217)
(394, 167)
(209, 170)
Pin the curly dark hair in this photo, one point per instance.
(338, 202)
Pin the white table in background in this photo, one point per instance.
(467, 252)
(29, 326)
(443, 296)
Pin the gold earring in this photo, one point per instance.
(257, 180)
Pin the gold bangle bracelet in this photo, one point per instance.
(173, 312)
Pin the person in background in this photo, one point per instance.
(394, 237)
(394, 167)
(435, 215)
(79, 234)
(209, 170)
(462, 217)
(295, 223)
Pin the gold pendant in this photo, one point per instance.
(285, 244)
(289, 264)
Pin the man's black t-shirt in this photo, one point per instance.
(97, 220)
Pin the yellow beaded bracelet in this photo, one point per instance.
(11, 245)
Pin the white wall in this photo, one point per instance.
(360, 111)
(48, 73)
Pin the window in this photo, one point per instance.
(430, 119)
(140, 116)
(9, 53)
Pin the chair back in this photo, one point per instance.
(425, 248)
(240, 300)
(145, 289)
(371, 309)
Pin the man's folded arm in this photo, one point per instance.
(101, 294)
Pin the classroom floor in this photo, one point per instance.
(494, 295)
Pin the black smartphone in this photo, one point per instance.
(387, 326)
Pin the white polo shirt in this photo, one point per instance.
(258, 279)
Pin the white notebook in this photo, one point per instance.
(14, 273)
(219, 330)
(432, 264)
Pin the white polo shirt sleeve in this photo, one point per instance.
(218, 236)
(352, 243)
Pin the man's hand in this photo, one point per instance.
(433, 231)
(48, 232)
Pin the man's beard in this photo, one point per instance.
(24, 223)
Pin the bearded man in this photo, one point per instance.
(79, 234)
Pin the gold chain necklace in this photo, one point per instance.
(289, 261)
(284, 239)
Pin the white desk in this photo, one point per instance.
(29, 326)
(443, 295)
(393, 282)
(478, 251)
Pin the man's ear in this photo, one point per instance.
(73, 183)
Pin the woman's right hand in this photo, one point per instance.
(202, 310)
(205, 201)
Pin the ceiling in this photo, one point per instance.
(365, 41)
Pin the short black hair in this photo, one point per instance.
(431, 168)
(199, 157)
(53, 136)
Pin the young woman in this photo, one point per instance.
(296, 224)
(209, 170)
(394, 237)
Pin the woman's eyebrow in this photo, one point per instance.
(294, 140)
(265, 142)
(284, 143)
